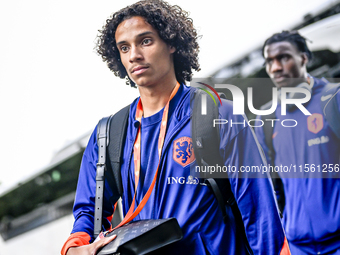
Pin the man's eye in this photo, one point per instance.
(268, 61)
(146, 41)
(124, 49)
(285, 57)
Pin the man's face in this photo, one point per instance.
(285, 65)
(146, 57)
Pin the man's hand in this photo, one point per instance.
(90, 249)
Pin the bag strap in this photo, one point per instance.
(216, 186)
(100, 173)
(117, 134)
(206, 139)
(330, 106)
(111, 132)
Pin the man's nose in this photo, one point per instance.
(135, 54)
(276, 66)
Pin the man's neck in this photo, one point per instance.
(154, 98)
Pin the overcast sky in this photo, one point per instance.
(54, 88)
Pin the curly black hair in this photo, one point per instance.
(174, 27)
(290, 36)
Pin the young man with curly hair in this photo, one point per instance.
(154, 45)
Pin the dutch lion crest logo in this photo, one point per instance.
(315, 123)
(183, 151)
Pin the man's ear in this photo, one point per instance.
(304, 59)
(172, 49)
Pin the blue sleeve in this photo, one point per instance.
(83, 209)
(253, 191)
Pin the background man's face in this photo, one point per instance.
(146, 57)
(285, 65)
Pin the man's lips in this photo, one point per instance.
(139, 69)
(280, 78)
